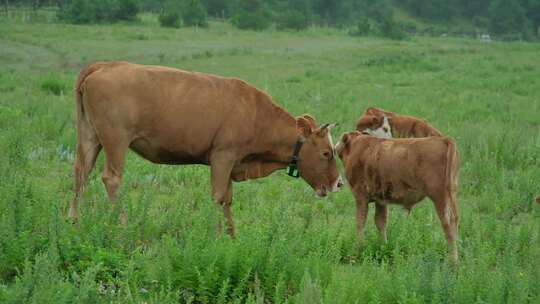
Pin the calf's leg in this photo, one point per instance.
(449, 223)
(361, 212)
(381, 217)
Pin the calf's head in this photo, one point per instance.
(343, 147)
(317, 164)
(376, 123)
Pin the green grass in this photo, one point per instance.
(291, 247)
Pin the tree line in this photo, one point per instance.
(508, 18)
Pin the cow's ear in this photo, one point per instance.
(311, 120)
(304, 126)
(324, 129)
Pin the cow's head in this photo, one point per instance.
(317, 165)
(343, 147)
(375, 122)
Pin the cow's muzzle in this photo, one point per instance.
(338, 184)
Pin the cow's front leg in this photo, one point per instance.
(221, 167)
(381, 217)
(361, 213)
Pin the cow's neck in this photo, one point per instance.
(285, 147)
(281, 139)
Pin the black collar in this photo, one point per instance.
(292, 168)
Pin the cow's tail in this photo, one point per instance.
(451, 177)
(79, 86)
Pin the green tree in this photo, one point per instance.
(194, 14)
(334, 12)
(252, 14)
(88, 11)
(532, 8)
(293, 14)
(376, 17)
(125, 10)
(218, 8)
(170, 14)
(506, 16)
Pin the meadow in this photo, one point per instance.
(290, 246)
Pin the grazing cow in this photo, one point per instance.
(538, 199)
(385, 124)
(404, 172)
(169, 116)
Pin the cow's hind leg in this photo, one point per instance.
(88, 148)
(449, 222)
(115, 155)
(227, 205)
(381, 217)
(221, 166)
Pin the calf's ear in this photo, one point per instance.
(345, 139)
(370, 110)
(304, 126)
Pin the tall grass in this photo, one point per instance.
(291, 248)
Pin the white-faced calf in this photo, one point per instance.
(384, 124)
(403, 172)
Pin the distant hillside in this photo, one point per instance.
(503, 19)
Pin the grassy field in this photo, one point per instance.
(291, 247)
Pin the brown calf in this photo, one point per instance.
(384, 124)
(404, 172)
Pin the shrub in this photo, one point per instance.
(390, 29)
(251, 15)
(88, 11)
(53, 84)
(255, 21)
(293, 19)
(387, 28)
(408, 26)
(169, 19)
(363, 27)
(125, 10)
(78, 12)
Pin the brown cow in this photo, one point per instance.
(384, 124)
(404, 172)
(538, 199)
(169, 116)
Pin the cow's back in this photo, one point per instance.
(169, 115)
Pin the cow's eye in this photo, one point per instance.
(328, 154)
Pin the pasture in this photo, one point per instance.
(291, 247)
